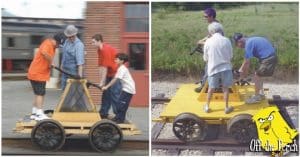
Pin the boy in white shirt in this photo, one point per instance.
(128, 87)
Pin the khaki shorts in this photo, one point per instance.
(267, 66)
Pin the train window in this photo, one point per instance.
(36, 39)
(11, 42)
(136, 17)
(137, 56)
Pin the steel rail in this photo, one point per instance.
(173, 147)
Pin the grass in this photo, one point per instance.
(175, 33)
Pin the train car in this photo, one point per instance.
(20, 36)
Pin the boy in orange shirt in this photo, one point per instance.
(39, 73)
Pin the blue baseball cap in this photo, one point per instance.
(237, 36)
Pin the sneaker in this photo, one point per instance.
(118, 121)
(228, 109)
(41, 117)
(114, 119)
(255, 99)
(33, 116)
(206, 108)
(103, 116)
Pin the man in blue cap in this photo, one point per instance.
(263, 50)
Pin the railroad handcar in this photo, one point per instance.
(75, 114)
(190, 121)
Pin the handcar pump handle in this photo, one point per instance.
(76, 77)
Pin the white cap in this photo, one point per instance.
(71, 30)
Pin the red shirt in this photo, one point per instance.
(106, 58)
(39, 69)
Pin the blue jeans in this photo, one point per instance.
(63, 82)
(123, 104)
(65, 77)
(110, 97)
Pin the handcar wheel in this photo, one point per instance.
(48, 135)
(242, 128)
(188, 127)
(105, 135)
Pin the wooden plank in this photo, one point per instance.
(62, 99)
(83, 132)
(76, 116)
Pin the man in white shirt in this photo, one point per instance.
(128, 87)
(218, 55)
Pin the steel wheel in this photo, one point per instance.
(48, 135)
(188, 127)
(105, 135)
(242, 128)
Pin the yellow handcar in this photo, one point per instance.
(75, 114)
(190, 121)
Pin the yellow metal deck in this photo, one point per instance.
(188, 101)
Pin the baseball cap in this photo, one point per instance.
(237, 36)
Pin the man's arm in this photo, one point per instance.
(47, 57)
(205, 55)
(80, 58)
(202, 41)
(80, 70)
(230, 49)
(103, 73)
(113, 81)
(244, 68)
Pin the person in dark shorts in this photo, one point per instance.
(263, 50)
(39, 73)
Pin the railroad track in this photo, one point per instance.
(80, 146)
(218, 143)
(212, 146)
(176, 147)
